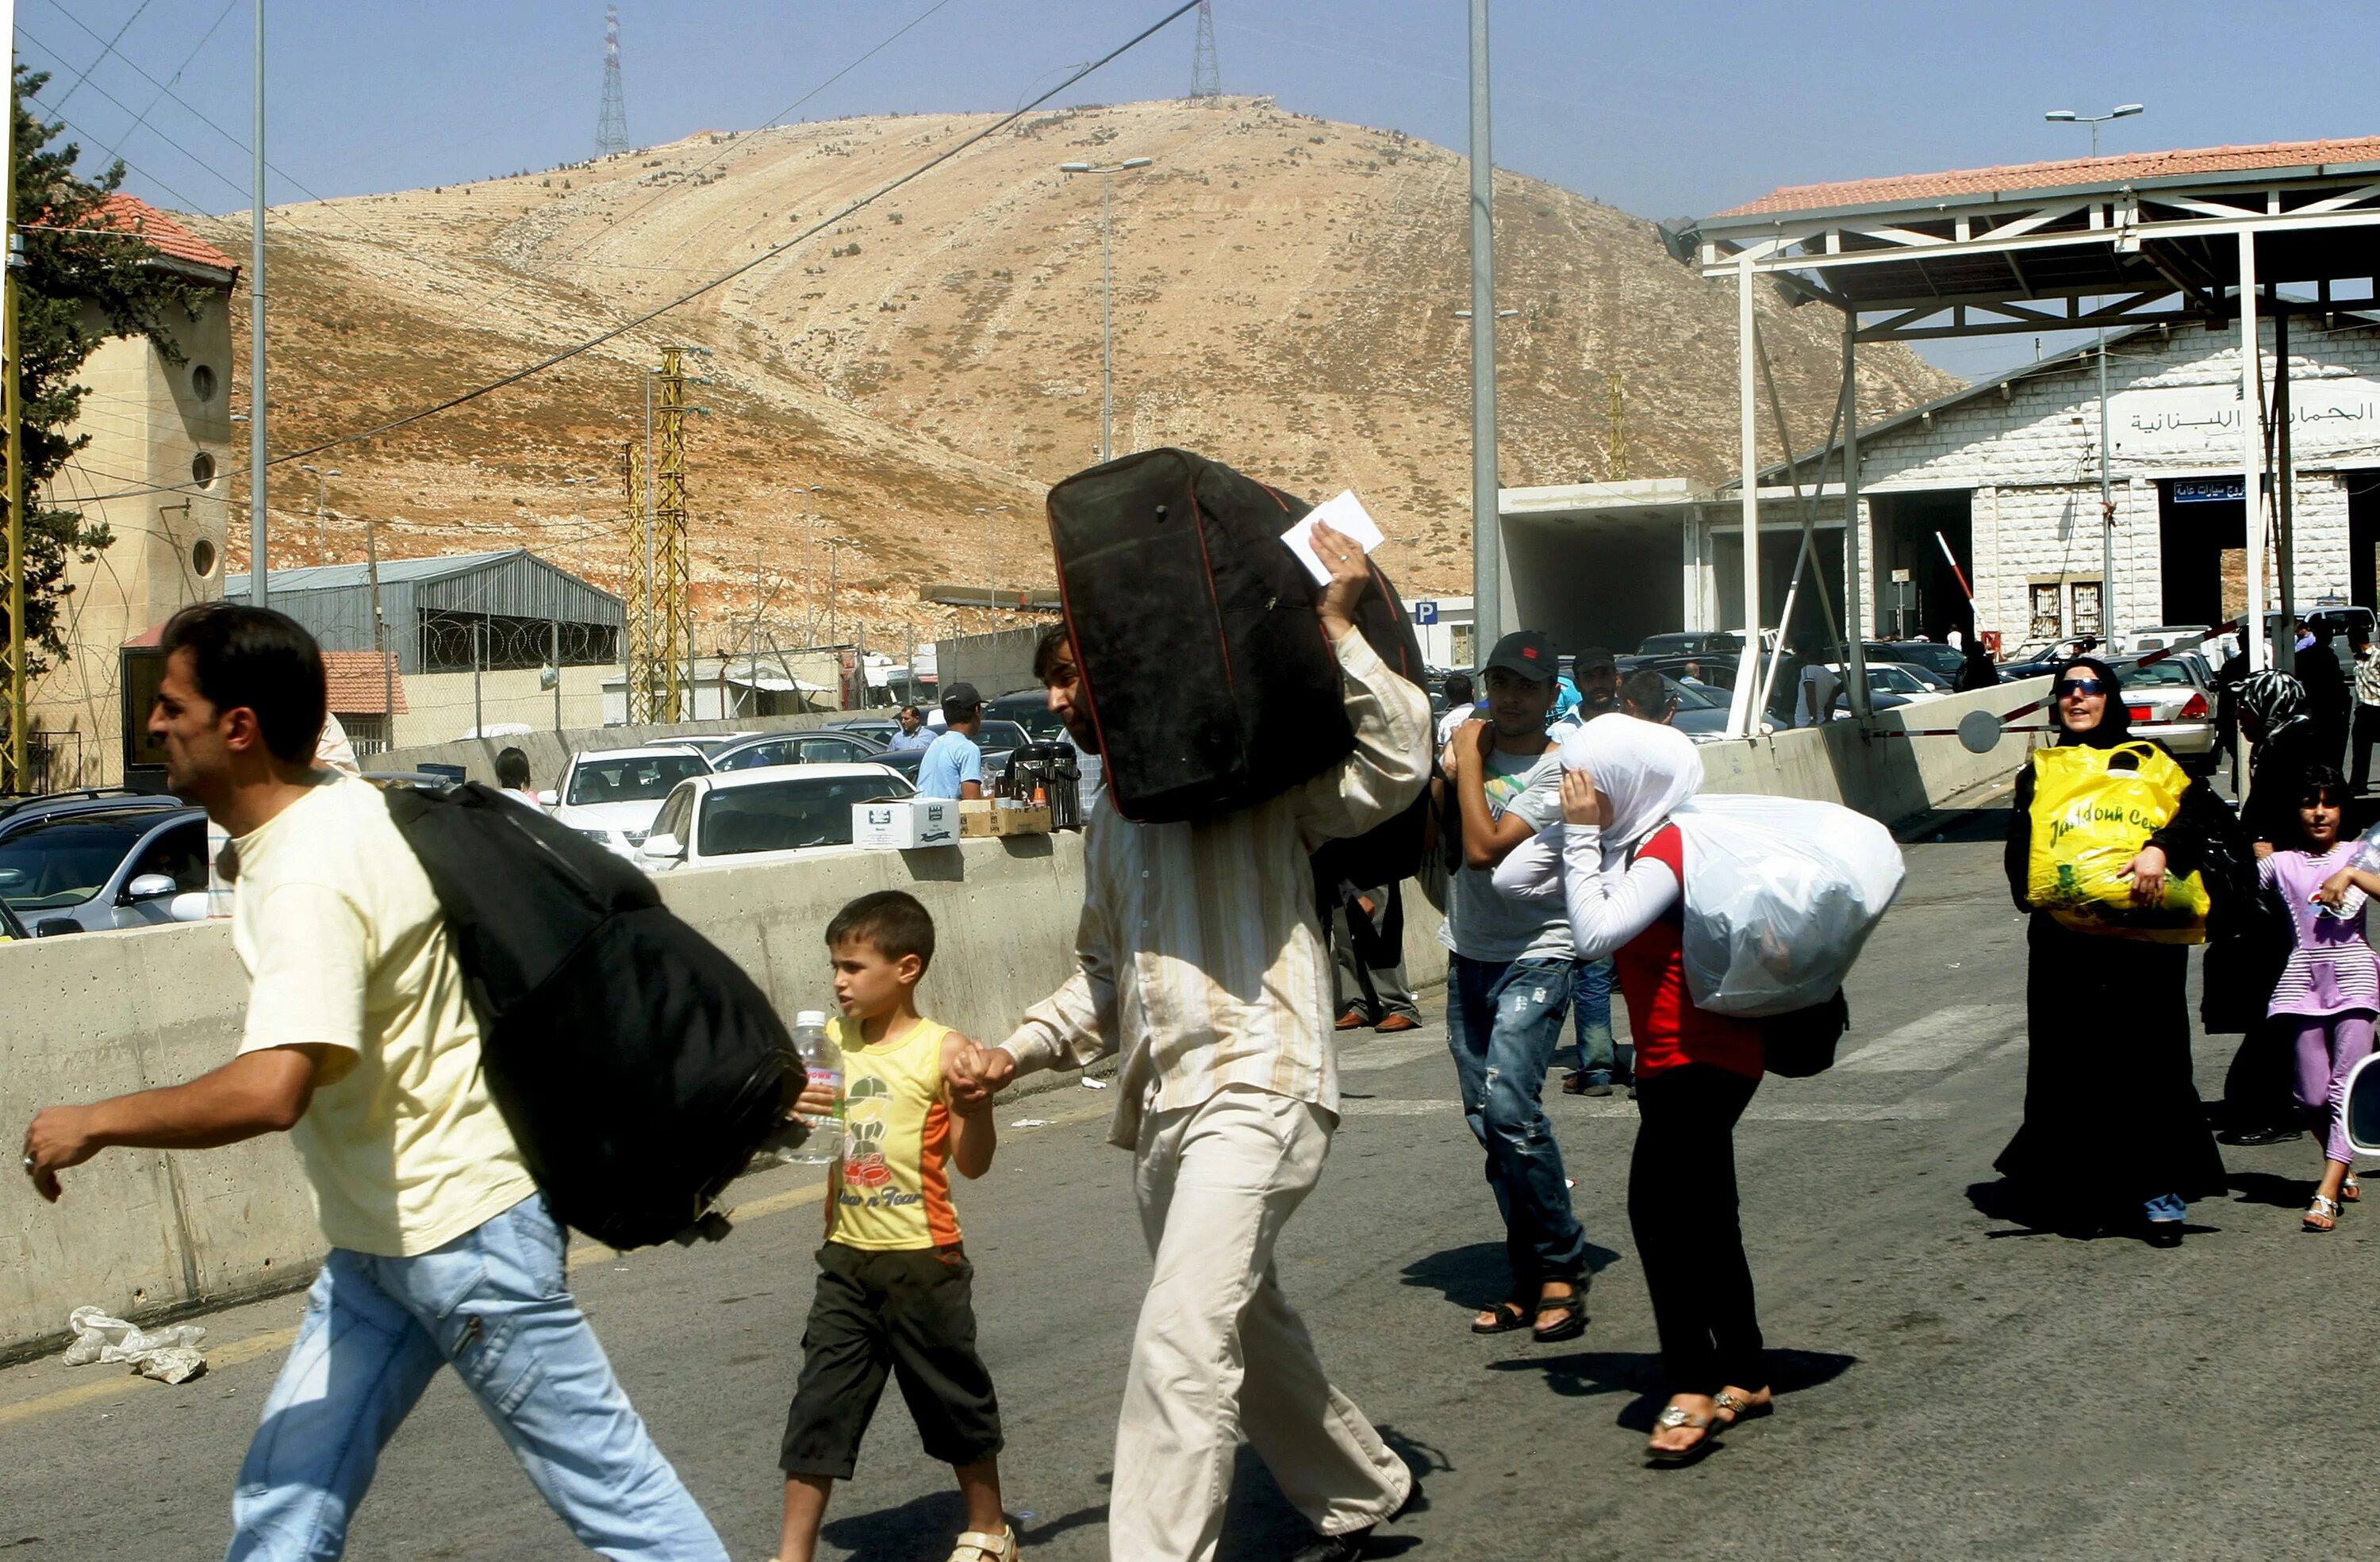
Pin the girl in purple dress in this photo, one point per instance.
(2330, 989)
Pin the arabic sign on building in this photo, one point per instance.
(2330, 415)
(2209, 490)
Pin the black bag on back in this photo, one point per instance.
(1801, 1042)
(637, 1065)
(1202, 663)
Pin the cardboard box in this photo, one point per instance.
(906, 824)
(984, 816)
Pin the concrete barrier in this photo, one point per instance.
(146, 1233)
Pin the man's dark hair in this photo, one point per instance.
(1048, 648)
(256, 658)
(512, 769)
(1647, 691)
(1458, 689)
(893, 922)
(910, 710)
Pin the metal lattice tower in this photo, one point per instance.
(611, 125)
(1206, 76)
(672, 573)
(640, 585)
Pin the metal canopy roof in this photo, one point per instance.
(1993, 251)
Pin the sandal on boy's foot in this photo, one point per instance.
(2351, 1190)
(1674, 1415)
(1571, 1320)
(974, 1545)
(1502, 1318)
(2322, 1215)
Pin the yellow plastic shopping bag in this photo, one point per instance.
(2091, 816)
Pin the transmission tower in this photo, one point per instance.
(641, 668)
(1206, 76)
(611, 125)
(1615, 432)
(673, 607)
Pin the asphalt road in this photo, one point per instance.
(1951, 1386)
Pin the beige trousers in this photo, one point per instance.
(1220, 1351)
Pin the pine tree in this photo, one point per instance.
(79, 287)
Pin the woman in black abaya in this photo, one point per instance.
(2114, 1135)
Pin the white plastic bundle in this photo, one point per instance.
(1780, 893)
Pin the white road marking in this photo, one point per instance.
(1619, 1106)
(1940, 1040)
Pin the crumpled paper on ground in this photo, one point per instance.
(169, 1355)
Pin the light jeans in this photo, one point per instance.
(495, 1304)
(1219, 1352)
(1590, 990)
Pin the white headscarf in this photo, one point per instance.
(1644, 769)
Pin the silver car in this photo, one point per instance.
(2169, 701)
(88, 871)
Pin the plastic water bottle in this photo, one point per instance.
(823, 1058)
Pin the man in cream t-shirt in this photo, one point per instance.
(359, 1043)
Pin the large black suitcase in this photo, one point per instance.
(1203, 665)
(637, 1066)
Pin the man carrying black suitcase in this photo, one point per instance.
(360, 1044)
(1203, 962)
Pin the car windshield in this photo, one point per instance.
(1668, 645)
(643, 778)
(788, 815)
(1033, 713)
(66, 862)
(2169, 672)
(1002, 734)
(1894, 681)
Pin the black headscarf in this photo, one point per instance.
(2115, 721)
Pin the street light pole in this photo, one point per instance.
(257, 521)
(2107, 486)
(321, 533)
(1107, 292)
(1487, 571)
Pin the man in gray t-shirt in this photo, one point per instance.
(1508, 985)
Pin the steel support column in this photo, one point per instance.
(2251, 445)
(1743, 719)
(1854, 580)
(1486, 536)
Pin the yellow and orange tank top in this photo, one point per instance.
(892, 1190)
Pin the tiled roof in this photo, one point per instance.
(170, 238)
(2131, 167)
(357, 679)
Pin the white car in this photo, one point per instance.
(611, 795)
(766, 814)
(708, 745)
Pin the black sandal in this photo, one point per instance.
(1573, 1320)
(1510, 1314)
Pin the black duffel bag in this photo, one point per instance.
(1202, 663)
(637, 1066)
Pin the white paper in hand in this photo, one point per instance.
(1345, 513)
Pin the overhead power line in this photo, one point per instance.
(576, 349)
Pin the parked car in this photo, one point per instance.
(1938, 665)
(2157, 636)
(1030, 708)
(2170, 701)
(611, 795)
(1690, 642)
(1700, 711)
(1890, 686)
(1713, 673)
(87, 863)
(874, 726)
(761, 815)
(996, 738)
(706, 744)
(817, 746)
(11, 930)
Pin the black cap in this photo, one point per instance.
(960, 699)
(1592, 658)
(1529, 653)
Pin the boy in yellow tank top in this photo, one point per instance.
(895, 1287)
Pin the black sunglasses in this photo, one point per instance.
(2065, 686)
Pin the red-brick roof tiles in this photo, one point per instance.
(169, 237)
(2131, 167)
(356, 680)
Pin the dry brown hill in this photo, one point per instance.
(1284, 298)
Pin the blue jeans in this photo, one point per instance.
(2165, 1206)
(495, 1304)
(1502, 1023)
(1591, 1001)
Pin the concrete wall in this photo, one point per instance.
(996, 664)
(440, 706)
(1887, 776)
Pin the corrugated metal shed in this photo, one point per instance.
(432, 604)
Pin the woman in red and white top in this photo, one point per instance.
(1618, 859)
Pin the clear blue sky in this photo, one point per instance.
(1661, 110)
